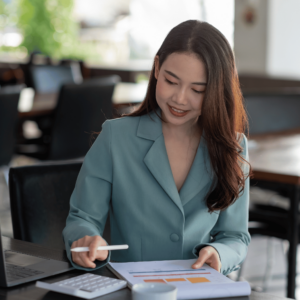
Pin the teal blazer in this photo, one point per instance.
(127, 174)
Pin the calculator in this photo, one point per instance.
(85, 286)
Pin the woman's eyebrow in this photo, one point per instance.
(172, 74)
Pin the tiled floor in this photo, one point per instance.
(254, 267)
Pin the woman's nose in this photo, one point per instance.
(181, 96)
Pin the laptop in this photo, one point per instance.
(49, 79)
(22, 262)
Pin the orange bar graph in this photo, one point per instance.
(154, 280)
(175, 279)
(198, 279)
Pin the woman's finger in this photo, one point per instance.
(98, 254)
(82, 263)
(102, 255)
(74, 245)
(215, 264)
(82, 258)
(95, 243)
(77, 260)
(86, 260)
(203, 256)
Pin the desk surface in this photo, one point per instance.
(276, 157)
(28, 291)
(124, 93)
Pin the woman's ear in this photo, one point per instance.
(156, 66)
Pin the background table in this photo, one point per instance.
(125, 94)
(275, 159)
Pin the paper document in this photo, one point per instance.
(191, 283)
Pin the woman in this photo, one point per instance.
(173, 175)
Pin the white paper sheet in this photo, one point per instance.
(191, 283)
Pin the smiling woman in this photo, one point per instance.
(173, 175)
(194, 73)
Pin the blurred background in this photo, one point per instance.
(67, 65)
(101, 31)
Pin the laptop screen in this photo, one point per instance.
(49, 79)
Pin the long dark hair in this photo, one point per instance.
(223, 114)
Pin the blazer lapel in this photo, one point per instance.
(156, 159)
(199, 176)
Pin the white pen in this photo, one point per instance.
(86, 249)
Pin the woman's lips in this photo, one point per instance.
(176, 113)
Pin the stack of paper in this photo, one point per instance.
(191, 283)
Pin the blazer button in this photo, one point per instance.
(174, 237)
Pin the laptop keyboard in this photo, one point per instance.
(14, 272)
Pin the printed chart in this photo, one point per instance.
(176, 272)
(191, 283)
(174, 276)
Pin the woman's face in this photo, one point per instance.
(181, 83)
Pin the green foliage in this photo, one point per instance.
(47, 26)
(3, 15)
(8, 16)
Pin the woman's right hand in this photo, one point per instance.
(86, 259)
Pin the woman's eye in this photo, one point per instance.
(198, 92)
(170, 82)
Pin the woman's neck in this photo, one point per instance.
(182, 132)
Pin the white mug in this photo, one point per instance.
(154, 291)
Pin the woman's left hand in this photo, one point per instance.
(210, 256)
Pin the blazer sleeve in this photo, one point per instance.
(230, 236)
(89, 203)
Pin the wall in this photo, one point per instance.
(271, 44)
(250, 45)
(283, 53)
